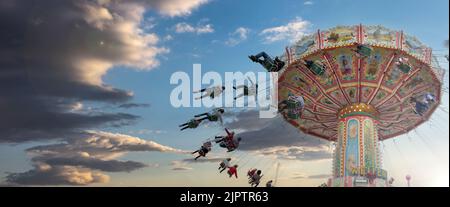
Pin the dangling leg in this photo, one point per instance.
(203, 118)
(184, 128)
(203, 96)
(199, 115)
(185, 124)
(197, 157)
(202, 90)
(263, 54)
(256, 58)
(218, 139)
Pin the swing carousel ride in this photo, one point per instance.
(361, 85)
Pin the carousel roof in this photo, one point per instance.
(350, 80)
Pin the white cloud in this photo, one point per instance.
(102, 145)
(239, 35)
(292, 31)
(147, 131)
(96, 15)
(179, 165)
(308, 3)
(148, 23)
(184, 27)
(176, 7)
(167, 38)
(127, 43)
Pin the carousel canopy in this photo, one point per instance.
(360, 69)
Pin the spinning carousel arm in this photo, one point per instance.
(391, 59)
(403, 81)
(318, 85)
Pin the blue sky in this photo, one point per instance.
(425, 156)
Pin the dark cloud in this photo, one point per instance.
(82, 161)
(57, 175)
(54, 53)
(133, 105)
(261, 133)
(246, 120)
(277, 137)
(93, 163)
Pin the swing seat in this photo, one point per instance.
(364, 51)
(405, 68)
(317, 69)
(213, 118)
(291, 104)
(293, 115)
(192, 124)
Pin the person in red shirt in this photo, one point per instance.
(230, 136)
(228, 141)
(233, 171)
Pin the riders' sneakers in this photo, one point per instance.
(253, 58)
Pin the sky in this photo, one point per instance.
(85, 88)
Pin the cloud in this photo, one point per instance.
(102, 145)
(317, 176)
(247, 120)
(55, 54)
(93, 163)
(299, 153)
(57, 175)
(184, 27)
(205, 160)
(179, 166)
(147, 131)
(133, 105)
(175, 7)
(299, 176)
(276, 137)
(292, 31)
(308, 3)
(167, 38)
(82, 160)
(239, 35)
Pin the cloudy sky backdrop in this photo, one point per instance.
(84, 90)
